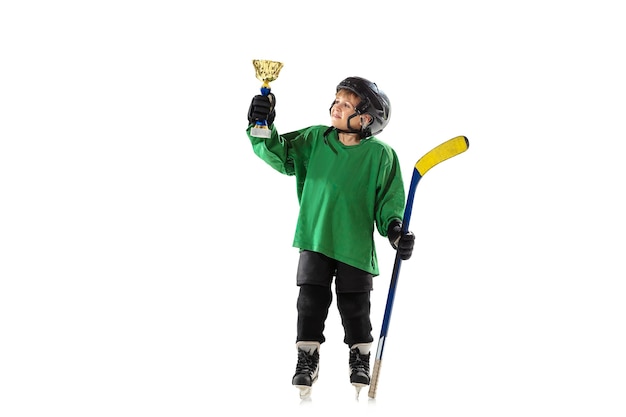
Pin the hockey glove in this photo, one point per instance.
(262, 108)
(402, 242)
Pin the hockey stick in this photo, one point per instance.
(440, 153)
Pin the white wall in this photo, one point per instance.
(146, 266)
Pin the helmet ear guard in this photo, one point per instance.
(366, 119)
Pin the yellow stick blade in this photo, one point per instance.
(442, 152)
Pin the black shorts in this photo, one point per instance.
(317, 269)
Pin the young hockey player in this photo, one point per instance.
(348, 183)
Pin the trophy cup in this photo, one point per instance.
(266, 71)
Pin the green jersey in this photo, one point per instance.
(343, 191)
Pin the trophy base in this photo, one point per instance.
(261, 132)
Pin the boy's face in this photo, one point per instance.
(344, 107)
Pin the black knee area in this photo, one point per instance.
(353, 304)
(313, 299)
(313, 304)
(355, 317)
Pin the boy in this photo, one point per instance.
(347, 182)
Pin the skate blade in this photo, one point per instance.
(305, 391)
(358, 388)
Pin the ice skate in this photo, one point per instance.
(307, 367)
(360, 366)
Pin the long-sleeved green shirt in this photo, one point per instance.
(343, 191)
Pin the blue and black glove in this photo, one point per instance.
(262, 108)
(402, 242)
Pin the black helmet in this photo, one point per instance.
(373, 102)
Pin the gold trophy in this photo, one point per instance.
(266, 71)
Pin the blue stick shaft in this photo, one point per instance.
(408, 209)
(440, 153)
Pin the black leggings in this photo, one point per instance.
(354, 308)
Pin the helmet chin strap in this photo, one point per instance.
(350, 128)
(331, 128)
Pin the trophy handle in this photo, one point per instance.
(266, 71)
(261, 128)
(265, 91)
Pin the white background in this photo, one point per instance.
(146, 264)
